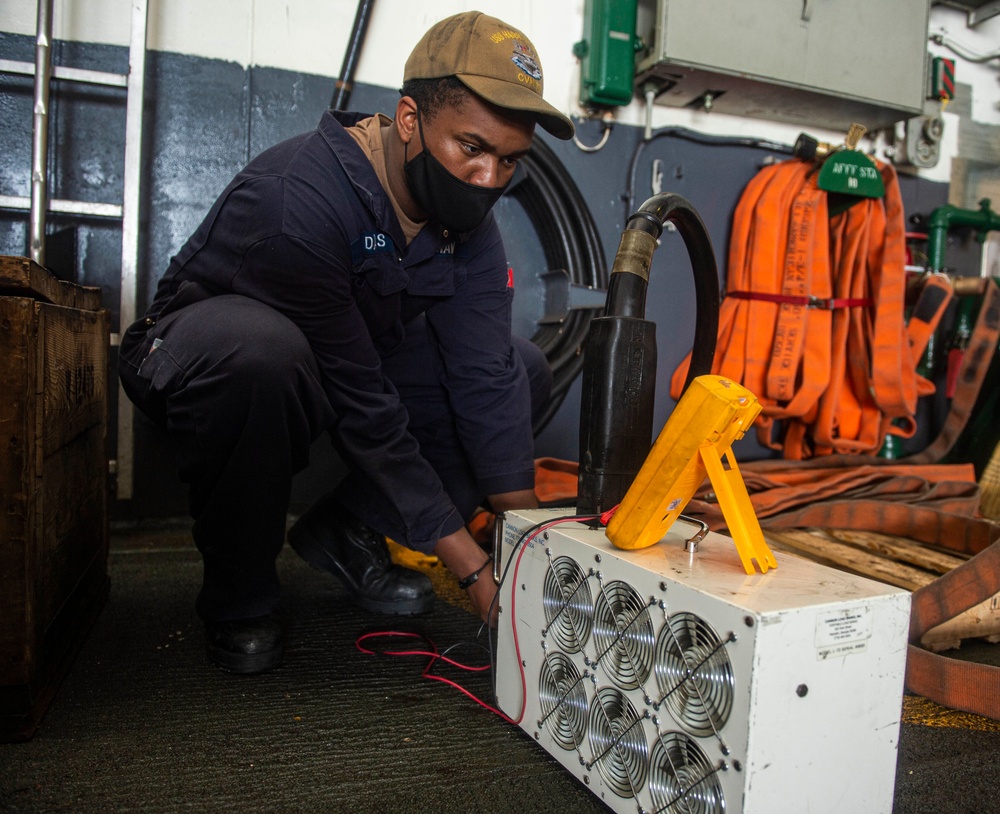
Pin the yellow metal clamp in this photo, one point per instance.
(713, 413)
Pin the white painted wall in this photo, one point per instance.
(311, 36)
(306, 35)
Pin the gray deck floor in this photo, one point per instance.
(142, 723)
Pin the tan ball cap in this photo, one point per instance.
(495, 61)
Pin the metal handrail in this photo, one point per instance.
(39, 204)
(40, 131)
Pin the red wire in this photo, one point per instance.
(433, 655)
(606, 516)
(513, 598)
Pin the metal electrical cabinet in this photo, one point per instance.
(823, 63)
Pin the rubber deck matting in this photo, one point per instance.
(144, 724)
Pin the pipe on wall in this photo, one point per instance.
(345, 84)
(40, 131)
(619, 369)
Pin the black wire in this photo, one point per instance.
(342, 90)
(526, 535)
(699, 138)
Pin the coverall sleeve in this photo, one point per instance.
(485, 380)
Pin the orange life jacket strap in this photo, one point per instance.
(956, 684)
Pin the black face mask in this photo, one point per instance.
(457, 205)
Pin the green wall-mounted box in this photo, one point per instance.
(607, 52)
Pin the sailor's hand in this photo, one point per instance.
(472, 568)
(483, 593)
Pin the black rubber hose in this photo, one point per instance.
(619, 373)
(673, 208)
(569, 241)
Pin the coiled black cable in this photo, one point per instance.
(569, 241)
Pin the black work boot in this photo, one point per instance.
(247, 646)
(331, 539)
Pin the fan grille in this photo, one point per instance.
(618, 741)
(568, 604)
(681, 778)
(623, 635)
(626, 690)
(563, 700)
(694, 674)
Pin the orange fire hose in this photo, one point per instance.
(813, 321)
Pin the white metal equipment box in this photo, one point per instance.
(670, 681)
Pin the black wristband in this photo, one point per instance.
(474, 576)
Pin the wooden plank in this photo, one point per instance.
(53, 484)
(989, 485)
(73, 381)
(22, 706)
(848, 558)
(21, 276)
(899, 548)
(980, 621)
(72, 531)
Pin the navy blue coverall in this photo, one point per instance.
(297, 308)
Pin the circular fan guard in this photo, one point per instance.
(681, 778)
(618, 742)
(693, 674)
(563, 700)
(568, 604)
(623, 635)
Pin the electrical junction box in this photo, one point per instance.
(815, 63)
(669, 680)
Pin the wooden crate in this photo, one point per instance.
(53, 483)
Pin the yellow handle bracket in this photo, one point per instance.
(712, 414)
(734, 500)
